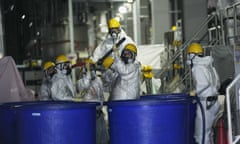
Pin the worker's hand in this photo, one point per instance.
(89, 61)
(116, 51)
(107, 62)
(192, 93)
(147, 71)
(77, 100)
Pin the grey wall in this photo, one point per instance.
(194, 14)
(160, 20)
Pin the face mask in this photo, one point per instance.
(190, 57)
(64, 71)
(114, 35)
(127, 56)
(130, 60)
(189, 62)
(69, 70)
(50, 74)
(93, 75)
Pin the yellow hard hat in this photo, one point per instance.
(48, 65)
(107, 62)
(147, 71)
(131, 47)
(113, 23)
(61, 59)
(147, 75)
(146, 68)
(174, 28)
(177, 66)
(195, 48)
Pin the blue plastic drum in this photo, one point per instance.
(151, 121)
(7, 124)
(63, 123)
(8, 134)
(191, 108)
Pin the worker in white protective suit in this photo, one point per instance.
(49, 71)
(62, 86)
(64, 67)
(124, 74)
(149, 85)
(91, 86)
(206, 88)
(116, 37)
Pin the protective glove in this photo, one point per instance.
(147, 71)
(107, 62)
(192, 93)
(77, 99)
(89, 60)
(116, 51)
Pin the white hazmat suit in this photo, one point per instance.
(125, 80)
(93, 87)
(45, 90)
(206, 84)
(64, 68)
(106, 45)
(61, 89)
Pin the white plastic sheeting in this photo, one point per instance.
(11, 85)
(153, 55)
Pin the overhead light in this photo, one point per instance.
(122, 9)
(23, 16)
(38, 33)
(30, 24)
(130, 1)
(12, 7)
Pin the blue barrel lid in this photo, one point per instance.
(150, 101)
(59, 105)
(23, 103)
(167, 95)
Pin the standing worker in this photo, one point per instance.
(64, 67)
(91, 85)
(206, 88)
(125, 75)
(116, 37)
(49, 71)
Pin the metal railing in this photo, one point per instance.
(166, 67)
(229, 115)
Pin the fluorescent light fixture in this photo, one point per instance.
(122, 9)
(23, 16)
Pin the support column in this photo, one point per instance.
(137, 22)
(194, 14)
(71, 30)
(160, 20)
(2, 53)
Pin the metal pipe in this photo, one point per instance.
(136, 22)
(229, 117)
(1, 36)
(71, 29)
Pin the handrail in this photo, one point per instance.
(178, 53)
(185, 45)
(229, 117)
